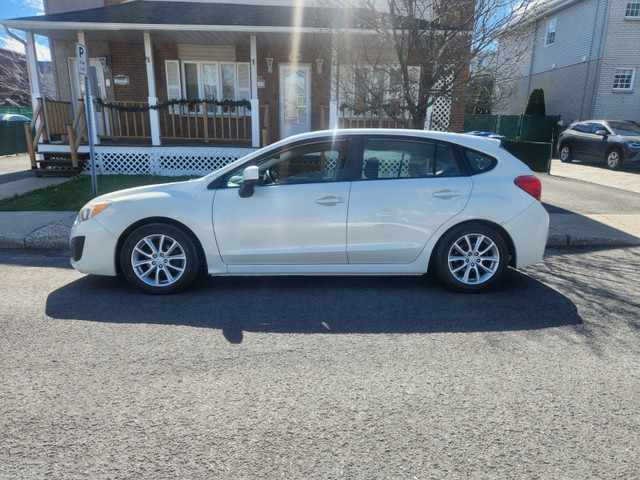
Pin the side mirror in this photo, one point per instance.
(250, 178)
(602, 132)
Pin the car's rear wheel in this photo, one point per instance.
(613, 160)
(565, 153)
(159, 258)
(471, 258)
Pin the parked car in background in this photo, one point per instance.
(613, 142)
(344, 202)
(13, 117)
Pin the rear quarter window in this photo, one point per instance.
(478, 162)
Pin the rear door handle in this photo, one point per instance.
(446, 194)
(329, 200)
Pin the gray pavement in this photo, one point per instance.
(615, 224)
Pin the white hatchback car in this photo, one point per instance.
(344, 202)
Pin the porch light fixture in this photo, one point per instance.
(269, 61)
(104, 61)
(319, 63)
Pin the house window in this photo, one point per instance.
(633, 10)
(623, 80)
(194, 80)
(550, 38)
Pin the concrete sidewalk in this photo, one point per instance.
(50, 230)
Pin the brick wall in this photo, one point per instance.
(129, 60)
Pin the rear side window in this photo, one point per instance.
(479, 162)
(407, 158)
(583, 127)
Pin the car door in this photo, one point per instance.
(598, 144)
(407, 188)
(580, 140)
(296, 215)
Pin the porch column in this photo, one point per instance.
(333, 95)
(154, 116)
(89, 105)
(255, 103)
(32, 69)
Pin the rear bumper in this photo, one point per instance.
(529, 231)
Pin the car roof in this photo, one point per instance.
(484, 144)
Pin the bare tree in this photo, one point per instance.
(14, 79)
(404, 55)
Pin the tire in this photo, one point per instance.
(565, 153)
(613, 159)
(466, 269)
(159, 259)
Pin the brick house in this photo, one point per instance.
(585, 55)
(270, 62)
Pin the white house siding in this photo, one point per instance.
(621, 50)
(566, 69)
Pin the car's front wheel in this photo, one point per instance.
(565, 153)
(613, 159)
(471, 258)
(159, 258)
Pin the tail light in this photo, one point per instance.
(530, 184)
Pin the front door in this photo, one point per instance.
(295, 99)
(98, 90)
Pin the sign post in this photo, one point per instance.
(82, 55)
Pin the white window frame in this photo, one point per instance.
(631, 83)
(632, 6)
(200, 74)
(553, 23)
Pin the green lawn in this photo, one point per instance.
(72, 195)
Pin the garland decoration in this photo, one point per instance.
(227, 104)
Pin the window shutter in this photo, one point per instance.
(244, 81)
(174, 90)
(414, 81)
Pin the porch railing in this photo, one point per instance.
(122, 123)
(205, 121)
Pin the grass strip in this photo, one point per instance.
(74, 194)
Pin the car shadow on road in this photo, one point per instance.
(319, 305)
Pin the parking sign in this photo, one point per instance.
(83, 59)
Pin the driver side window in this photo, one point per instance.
(311, 163)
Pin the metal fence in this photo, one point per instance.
(12, 138)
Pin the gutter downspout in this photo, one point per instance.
(605, 19)
(14, 36)
(586, 78)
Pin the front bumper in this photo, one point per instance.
(96, 254)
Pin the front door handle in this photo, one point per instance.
(329, 200)
(446, 193)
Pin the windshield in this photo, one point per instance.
(625, 128)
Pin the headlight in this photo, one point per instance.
(634, 144)
(87, 212)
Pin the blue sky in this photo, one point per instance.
(23, 8)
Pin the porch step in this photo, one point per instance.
(58, 166)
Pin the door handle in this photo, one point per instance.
(329, 200)
(446, 194)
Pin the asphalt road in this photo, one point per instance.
(322, 377)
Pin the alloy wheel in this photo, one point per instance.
(613, 159)
(158, 260)
(473, 259)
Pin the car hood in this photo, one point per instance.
(148, 191)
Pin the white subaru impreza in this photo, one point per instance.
(344, 202)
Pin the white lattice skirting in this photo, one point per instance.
(169, 161)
